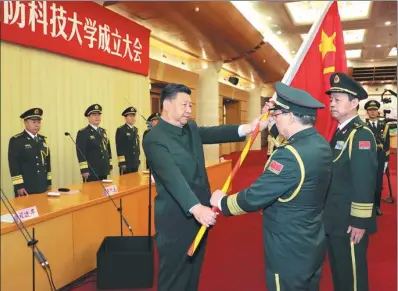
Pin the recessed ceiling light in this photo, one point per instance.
(197, 9)
(269, 18)
(293, 52)
(279, 32)
(387, 23)
(379, 45)
(372, 60)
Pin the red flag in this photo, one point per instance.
(322, 54)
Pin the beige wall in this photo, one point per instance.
(63, 88)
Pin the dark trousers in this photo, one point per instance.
(348, 263)
(292, 282)
(128, 170)
(379, 177)
(93, 178)
(178, 271)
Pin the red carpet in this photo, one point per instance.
(234, 259)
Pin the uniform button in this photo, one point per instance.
(37, 157)
(38, 171)
(37, 163)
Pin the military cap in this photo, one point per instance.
(295, 100)
(340, 82)
(372, 104)
(129, 110)
(95, 108)
(34, 113)
(153, 116)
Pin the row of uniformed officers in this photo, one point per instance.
(29, 155)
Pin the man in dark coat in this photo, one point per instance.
(175, 155)
(292, 191)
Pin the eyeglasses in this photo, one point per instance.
(274, 115)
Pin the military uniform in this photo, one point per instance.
(380, 129)
(152, 117)
(176, 158)
(350, 199)
(291, 190)
(95, 149)
(29, 159)
(128, 145)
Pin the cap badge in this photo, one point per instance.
(336, 79)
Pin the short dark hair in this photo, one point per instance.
(352, 97)
(305, 119)
(171, 90)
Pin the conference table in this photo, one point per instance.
(70, 228)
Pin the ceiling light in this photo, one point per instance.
(372, 60)
(353, 54)
(196, 9)
(293, 52)
(393, 52)
(379, 45)
(387, 22)
(279, 32)
(269, 18)
(306, 12)
(353, 36)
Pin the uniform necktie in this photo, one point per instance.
(374, 125)
(36, 138)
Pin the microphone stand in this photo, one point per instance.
(31, 243)
(119, 209)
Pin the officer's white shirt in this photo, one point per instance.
(31, 134)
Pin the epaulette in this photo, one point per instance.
(381, 118)
(18, 135)
(40, 135)
(121, 126)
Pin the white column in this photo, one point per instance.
(254, 110)
(207, 104)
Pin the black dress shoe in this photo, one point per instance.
(378, 212)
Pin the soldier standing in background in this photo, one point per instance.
(153, 120)
(380, 130)
(128, 143)
(29, 157)
(94, 145)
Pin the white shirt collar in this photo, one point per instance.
(131, 126)
(31, 134)
(342, 125)
(93, 126)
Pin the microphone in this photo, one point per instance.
(31, 242)
(106, 191)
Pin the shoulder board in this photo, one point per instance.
(381, 118)
(18, 135)
(121, 126)
(43, 136)
(102, 128)
(82, 129)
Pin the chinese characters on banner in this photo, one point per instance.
(81, 30)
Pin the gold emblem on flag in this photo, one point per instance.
(336, 79)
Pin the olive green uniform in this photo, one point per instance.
(128, 148)
(350, 199)
(30, 163)
(175, 156)
(292, 191)
(381, 132)
(95, 151)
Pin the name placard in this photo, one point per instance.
(111, 189)
(23, 214)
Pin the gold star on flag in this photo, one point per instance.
(327, 44)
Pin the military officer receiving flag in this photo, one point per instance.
(128, 143)
(93, 147)
(29, 157)
(380, 129)
(349, 207)
(291, 191)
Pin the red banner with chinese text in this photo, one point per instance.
(81, 30)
